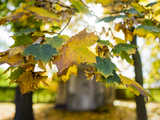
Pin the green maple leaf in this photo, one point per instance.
(124, 50)
(79, 5)
(111, 18)
(55, 42)
(21, 40)
(41, 52)
(104, 42)
(149, 28)
(105, 66)
(25, 31)
(128, 48)
(113, 78)
(16, 73)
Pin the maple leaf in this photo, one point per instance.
(55, 42)
(134, 86)
(105, 66)
(103, 2)
(79, 5)
(28, 82)
(11, 60)
(76, 51)
(130, 49)
(41, 52)
(15, 74)
(22, 40)
(114, 78)
(13, 56)
(16, 50)
(43, 14)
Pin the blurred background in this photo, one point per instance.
(44, 99)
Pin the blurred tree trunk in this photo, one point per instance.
(61, 96)
(79, 93)
(140, 103)
(23, 104)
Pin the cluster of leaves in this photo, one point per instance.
(33, 19)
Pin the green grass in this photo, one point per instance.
(39, 96)
(7, 95)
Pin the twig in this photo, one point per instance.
(62, 5)
(65, 25)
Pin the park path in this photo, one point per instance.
(123, 110)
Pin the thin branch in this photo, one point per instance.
(65, 25)
(62, 5)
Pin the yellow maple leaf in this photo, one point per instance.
(16, 50)
(28, 83)
(44, 14)
(140, 32)
(12, 60)
(134, 87)
(12, 56)
(103, 2)
(118, 40)
(71, 70)
(76, 51)
(25, 82)
(128, 35)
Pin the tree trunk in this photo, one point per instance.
(140, 103)
(23, 104)
(61, 96)
(81, 94)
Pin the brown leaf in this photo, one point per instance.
(12, 60)
(16, 50)
(76, 51)
(29, 81)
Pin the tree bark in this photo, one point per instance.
(24, 110)
(140, 103)
(81, 94)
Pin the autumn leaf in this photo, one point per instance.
(17, 14)
(118, 40)
(15, 74)
(42, 65)
(103, 2)
(149, 28)
(128, 35)
(123, 47)
(138, 7)
(55, 42)
(79, 5)
(22, 40)
(111, 18)
(16, 50)
(3, 20)
(104, 66)
(76, 51)
(151, 4)
(72, 70)
(27, 82)
(114, 78)
(105, 42)
(134, 86)
(144, 30)
(124, 51)
(44, 14)
(12, 60)
(41, 52)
